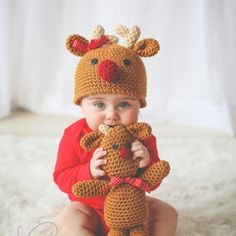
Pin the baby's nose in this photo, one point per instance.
(111, 116)
(108, 70)
(125, 152)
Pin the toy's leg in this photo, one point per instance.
(118, 232)
(139, 231)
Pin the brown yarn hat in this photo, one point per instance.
(108, 68)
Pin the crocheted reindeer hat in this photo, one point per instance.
(106, 67)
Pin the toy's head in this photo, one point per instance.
(106, 67)
(116, 141)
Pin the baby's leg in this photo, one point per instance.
(77, 219)
(162, 218)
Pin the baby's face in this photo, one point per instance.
(111, 109)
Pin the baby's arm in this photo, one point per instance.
(146, 151)
(140, 152)
(158, 169)
(151, 145)
(71, 166)
(74, 165)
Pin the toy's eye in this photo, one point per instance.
(94, 61)
(115, 146)
(127, 62)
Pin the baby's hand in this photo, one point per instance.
(97, 162)
(141, 152)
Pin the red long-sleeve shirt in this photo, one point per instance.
(73, 162)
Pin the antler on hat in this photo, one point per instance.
(131, 35)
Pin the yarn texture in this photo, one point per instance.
(125, 207)
(107, 68)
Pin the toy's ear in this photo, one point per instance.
(146, 47)
(77, 45)
(140, 130)
(91, 140)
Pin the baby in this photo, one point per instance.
(110, 87)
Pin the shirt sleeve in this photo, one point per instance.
(71, 165)
(151, 144)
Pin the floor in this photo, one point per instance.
(201, 184)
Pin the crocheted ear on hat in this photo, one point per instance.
(146, 47)
(77, 45)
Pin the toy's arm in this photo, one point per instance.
(156, 172)
(90, 188)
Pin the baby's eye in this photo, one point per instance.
(123, 104)
(99, 105)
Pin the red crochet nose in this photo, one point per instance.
(108, 70)
(125, 153)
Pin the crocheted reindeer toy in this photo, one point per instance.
(125, 206)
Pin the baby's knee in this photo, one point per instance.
(163, 211)
(172, 214)
(77, 216)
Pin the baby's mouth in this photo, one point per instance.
(111, 126)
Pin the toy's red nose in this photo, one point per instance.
(108, 70)
(125, 153)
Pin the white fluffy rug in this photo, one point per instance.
(202, 185)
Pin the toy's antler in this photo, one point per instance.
(130, 35)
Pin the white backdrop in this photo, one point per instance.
(191, 81)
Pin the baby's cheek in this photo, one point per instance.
(130, 118)
(93, 122)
